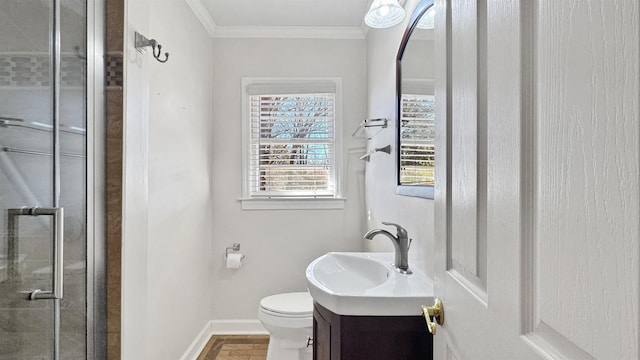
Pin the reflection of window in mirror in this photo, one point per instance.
(417, 139)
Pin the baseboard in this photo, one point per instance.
(199, 343)
(222, 327)
(238, 327)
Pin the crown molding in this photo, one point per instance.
(201, 12)
(287, 32)
(274, 32)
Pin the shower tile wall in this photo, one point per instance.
(24, 70)
(114, 76)
(114, 105)
(33, 70)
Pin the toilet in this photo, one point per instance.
(289, 320)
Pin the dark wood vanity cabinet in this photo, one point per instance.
(341, 337)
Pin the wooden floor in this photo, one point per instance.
(236, 347)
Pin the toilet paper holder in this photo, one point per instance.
(234, 247)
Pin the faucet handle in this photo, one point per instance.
(402, 232)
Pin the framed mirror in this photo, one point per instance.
(415, 106)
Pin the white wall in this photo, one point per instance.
(179, 181)
(279, 244)
(135, 186)
(175, 251)
(415, 214)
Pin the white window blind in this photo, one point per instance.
(292, 142)
(417, 150)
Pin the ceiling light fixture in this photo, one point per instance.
(384, 14)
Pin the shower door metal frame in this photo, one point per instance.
(96, 290)
(55, 108)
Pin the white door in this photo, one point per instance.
(537, 192)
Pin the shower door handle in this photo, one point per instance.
(58, 242)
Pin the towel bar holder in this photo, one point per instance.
(384, 149)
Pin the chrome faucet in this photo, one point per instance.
(401, 243)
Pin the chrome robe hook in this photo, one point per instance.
(142, 42)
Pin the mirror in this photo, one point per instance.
(415, 105)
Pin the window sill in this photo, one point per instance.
(293, 204)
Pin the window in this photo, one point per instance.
(417, 134)
(291, 144)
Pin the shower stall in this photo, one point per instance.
(52, 255)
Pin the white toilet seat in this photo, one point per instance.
(290, 310)
(296, 304)
(285, 315)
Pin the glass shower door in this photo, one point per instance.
(42, 179)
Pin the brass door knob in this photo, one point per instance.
(437, 312)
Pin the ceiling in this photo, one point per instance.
(270, 13)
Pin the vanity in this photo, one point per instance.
(365, 309)
(369, 337)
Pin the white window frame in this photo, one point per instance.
(293, 86)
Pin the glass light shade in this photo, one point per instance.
(384, 14)
(427, 20)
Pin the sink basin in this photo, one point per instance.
(366, 284)
(348, 273)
